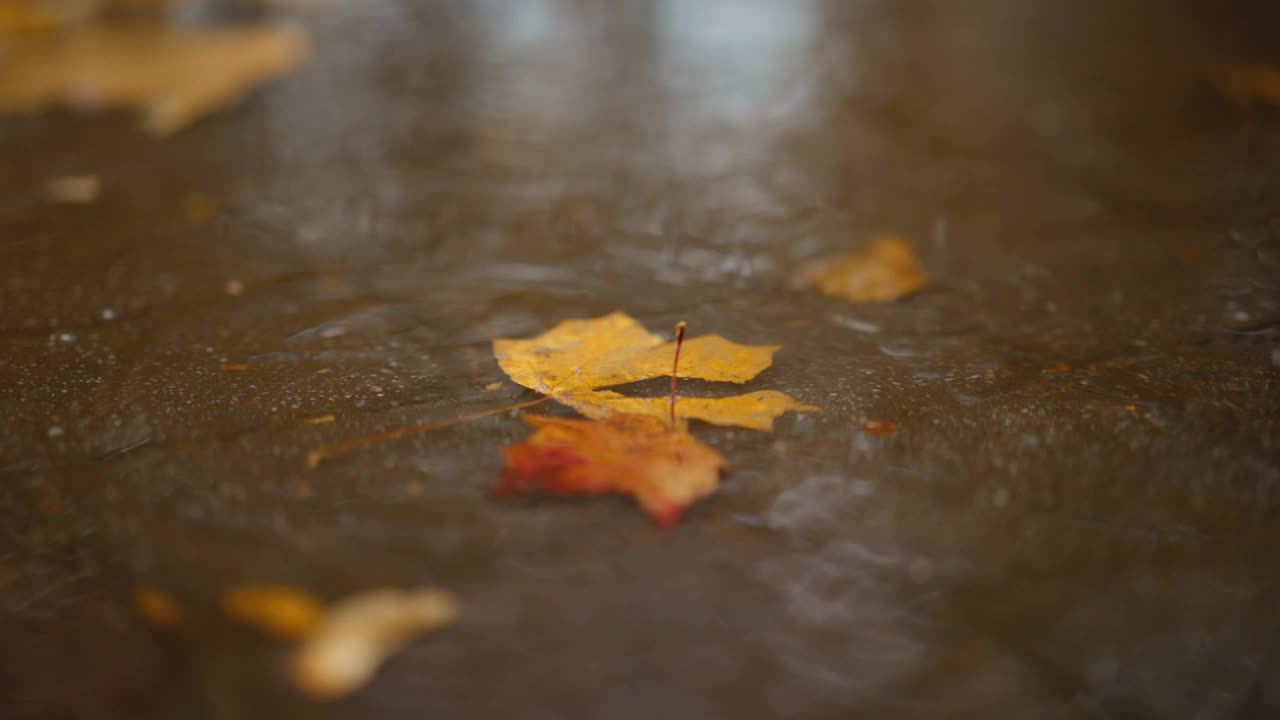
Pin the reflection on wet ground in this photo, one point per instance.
(1076, 517)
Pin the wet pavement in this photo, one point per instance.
(1079, 513)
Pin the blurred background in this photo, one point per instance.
(235, 231)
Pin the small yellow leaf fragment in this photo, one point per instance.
(73, 189)
(886, 269)
(360, 633)
(281, 610)
(493, 386)
(321, 420)
(156, 606)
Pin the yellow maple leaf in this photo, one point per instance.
(574, 360)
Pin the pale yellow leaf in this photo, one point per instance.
(360, 632)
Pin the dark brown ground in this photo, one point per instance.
(1101, 542)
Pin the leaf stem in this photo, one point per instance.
(315, 457)
(675, 365)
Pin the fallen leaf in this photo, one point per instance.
(1058, 368)
(174, 77)
(1188, 255)
(886, 269)
(281, 610)
(321, 420)
(1250, 83)
(879, 428)
(665, 470)
(156, 606)
(198, 209)
(50, 507)
(572, 361)
(359, 633)
(73, 189)
(29, 16)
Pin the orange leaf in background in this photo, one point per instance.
(1248, 83)
(156, 606)
(281, 610)
(665, 470)
(879, 428)
(572, 361)
(884, 270)
(198, 209)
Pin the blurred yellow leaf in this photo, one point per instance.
(886, 269)
(156, 606)
(360, 632)
(281, 610)
(174, 77)
(26, 16)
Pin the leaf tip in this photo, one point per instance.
(666, 516)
